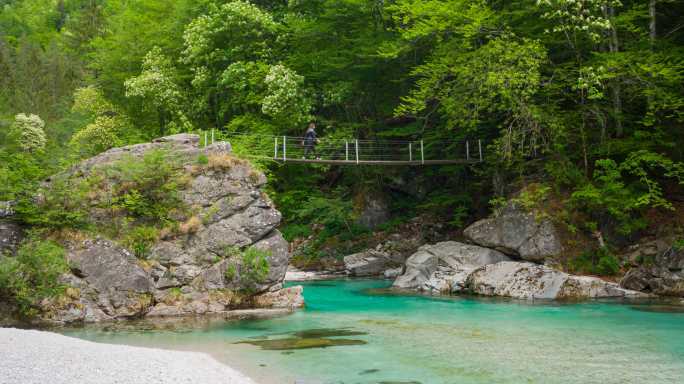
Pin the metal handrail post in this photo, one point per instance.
(346, 150)
(212, 135)
(284, 148)
(422, 153)
(357, 151)
(467, 150)
(275, 148)
(410, 152)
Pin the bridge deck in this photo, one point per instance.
(376, 162)
(340, 151)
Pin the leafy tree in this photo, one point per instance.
(108, 127)
(156, 84)
(29, 132)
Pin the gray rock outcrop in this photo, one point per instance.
(197, 271)
(517, 233)
(388, 255)
(374, 211)
(444, 267)
(11, 235)
(523, 280)
(663, 276)
(368, 263)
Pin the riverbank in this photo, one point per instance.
(39, 357)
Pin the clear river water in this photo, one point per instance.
(354, 331)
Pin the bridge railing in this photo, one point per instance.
(345, 150)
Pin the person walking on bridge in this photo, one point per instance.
(310, 141)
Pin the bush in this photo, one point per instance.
(625, 191)
(32, 275)
(295, 231)
(140, 239)
(254, 268)
(147, 188)
(61, 204)
(598, 262)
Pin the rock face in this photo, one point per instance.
(664, 276)
(531, 281)
(196, 272)
(518, 233)
(444, 267)
(11, 235)
(374, 211)
(6, 209)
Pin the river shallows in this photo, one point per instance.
(388, 338)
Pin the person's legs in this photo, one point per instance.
(307, 150)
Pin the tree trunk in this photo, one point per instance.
(652, 24)
(617, 99)
(614, 47)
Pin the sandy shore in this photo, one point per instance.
(37, 357)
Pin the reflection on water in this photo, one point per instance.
(357, 332)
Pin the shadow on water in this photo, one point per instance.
(299, 343)
(657, 304)
(659, 308)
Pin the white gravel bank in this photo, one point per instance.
(36, 357)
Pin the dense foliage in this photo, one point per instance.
(32, 275)
(582, 97)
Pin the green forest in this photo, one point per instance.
(579, 103)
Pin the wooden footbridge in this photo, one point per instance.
(345, 151)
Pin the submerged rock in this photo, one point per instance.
(531, 281)
(301, 343)
(516, 232)
(443, 267)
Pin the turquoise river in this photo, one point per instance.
(373, 336)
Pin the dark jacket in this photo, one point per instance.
(310, 137)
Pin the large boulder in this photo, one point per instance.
(198, 270)
(517, 233)
(523, 280)
(663, 276)
(443, 267)
(389, 255)
(368, 263)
